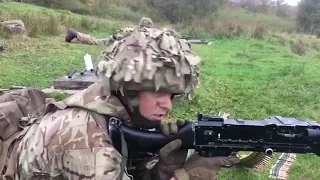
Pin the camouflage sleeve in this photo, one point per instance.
(69, 144)
(123, 32)
(89, 154)
(94, 163)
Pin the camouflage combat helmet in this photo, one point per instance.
(146, 22)
(149, 59)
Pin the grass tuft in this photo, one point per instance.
(298, 47)
(47, 22)
(229, 23)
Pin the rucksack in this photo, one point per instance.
(19, 109)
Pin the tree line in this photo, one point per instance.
(307, 16)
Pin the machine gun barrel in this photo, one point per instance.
(215, 136)
(73, 71)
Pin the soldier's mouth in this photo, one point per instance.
(158, 116)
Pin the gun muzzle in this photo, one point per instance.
(73, 71)
(83, 71)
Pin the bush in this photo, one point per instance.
(317, 33)
(121, 13)
(308, 18)
(236, 22)
(185, 10)
(52, 24)
(5, 32)
(298, 47)
(259, 32)
(315, 46)
(37, 25)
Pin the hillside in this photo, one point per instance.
(45, 21)
(131, 10)
(225, 21)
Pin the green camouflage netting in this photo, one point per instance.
(149, 59)
(146, 22)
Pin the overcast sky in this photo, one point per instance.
(292, 2)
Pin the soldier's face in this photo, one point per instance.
(154, 105)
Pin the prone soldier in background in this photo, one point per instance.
(119, 34)
(138, 78)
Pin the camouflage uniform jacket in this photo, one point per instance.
(119, 34)
(70, 142)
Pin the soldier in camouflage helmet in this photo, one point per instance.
(88, 39)
(138, 77)
(146, 22)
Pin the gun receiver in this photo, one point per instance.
(214, 136)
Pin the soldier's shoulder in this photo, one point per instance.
(74, 134)
(73, 128)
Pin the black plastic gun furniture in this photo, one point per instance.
(214, 136)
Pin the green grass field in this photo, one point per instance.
(248, 78)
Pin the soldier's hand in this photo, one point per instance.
(203, 168)
(169, 128)
(171, 158)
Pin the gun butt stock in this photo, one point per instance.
(148, 141)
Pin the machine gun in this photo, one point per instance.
(214, 136)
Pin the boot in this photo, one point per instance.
(71, 34)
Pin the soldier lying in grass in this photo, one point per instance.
(139, 76)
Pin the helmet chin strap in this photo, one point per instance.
(137, 119)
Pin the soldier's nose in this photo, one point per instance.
(166, 103)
